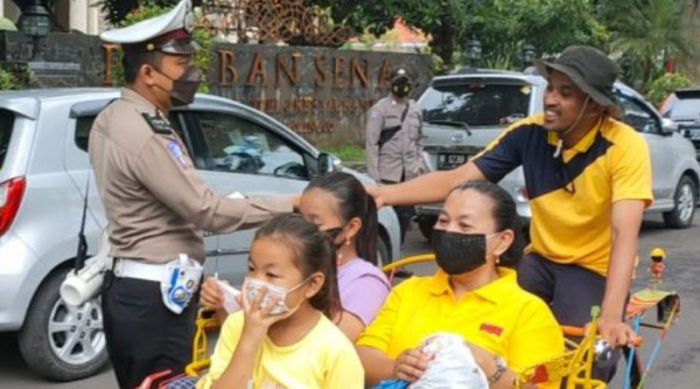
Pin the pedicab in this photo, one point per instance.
(575, 367)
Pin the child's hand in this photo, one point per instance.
(258, 318)
(211, 295)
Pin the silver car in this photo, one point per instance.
(44, 169)
(463, 113)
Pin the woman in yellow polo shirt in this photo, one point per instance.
(474, 294)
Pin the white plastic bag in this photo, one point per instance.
(230, 293)
(452, 367)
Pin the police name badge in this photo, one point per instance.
(178, 155)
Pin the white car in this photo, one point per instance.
(44, 167)
(463, 113)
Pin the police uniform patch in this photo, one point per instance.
(177, 154)
(158, 124)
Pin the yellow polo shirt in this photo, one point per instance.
(324, 358)
(572, 197)
(499, 317)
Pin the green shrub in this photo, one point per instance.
(348, 153)
(665, 85)
(8, 81)
(15, 77)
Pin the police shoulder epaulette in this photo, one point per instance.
(158, 124)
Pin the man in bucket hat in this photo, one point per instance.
(156, 203)
(588, 177)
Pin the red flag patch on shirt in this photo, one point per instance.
(491, 329)
(541, 375)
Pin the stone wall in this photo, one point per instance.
(321, 93)
(69, 59)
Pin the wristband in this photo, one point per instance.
(501, 368)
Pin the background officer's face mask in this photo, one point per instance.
(401, 88)
(458, 253)
(185, 87)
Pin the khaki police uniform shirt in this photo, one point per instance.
(156, 203)
(402, 156)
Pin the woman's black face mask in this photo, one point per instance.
(458, 253)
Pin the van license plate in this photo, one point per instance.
(694, 133)
(450, 161)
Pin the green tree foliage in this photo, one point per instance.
(502, 26)
(117, 11)
(645, 34)
(665, 85)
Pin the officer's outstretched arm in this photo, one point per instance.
(172, 178)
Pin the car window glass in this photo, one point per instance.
(685, 109)
(638, 116)
(477, 104)
(82, 131)
(7, 122)
(83, 125)
(234, 144)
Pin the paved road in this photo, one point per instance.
(679, 360)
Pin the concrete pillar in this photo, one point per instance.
(78, 19)
(93, 18)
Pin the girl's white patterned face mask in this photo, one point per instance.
(253, 286)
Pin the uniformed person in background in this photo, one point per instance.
(156, 203)
(393, 140)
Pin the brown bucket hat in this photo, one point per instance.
(591, 70)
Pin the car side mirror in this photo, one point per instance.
(668, 126)
(328, 163)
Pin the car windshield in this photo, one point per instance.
(7, 120)
(477, 104)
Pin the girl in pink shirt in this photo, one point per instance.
(339, 205)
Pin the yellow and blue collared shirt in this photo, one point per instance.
(571, 196)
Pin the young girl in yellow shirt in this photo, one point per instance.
(283, 337)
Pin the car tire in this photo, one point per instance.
(383, 255)
(52, 323)
(684, 201)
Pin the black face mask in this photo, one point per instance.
(459, 253)
(185, 87)
(332, 234)
(401, 88)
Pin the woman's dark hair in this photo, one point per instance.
(313, 252)
(132, 62)
(353, 201)
(504, 213)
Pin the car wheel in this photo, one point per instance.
(383, 255)
(60, 341)
(685, 200)
(426, 227)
